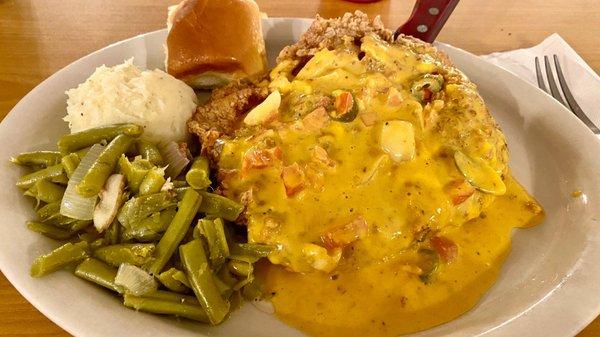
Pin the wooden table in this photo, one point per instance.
(39, 37)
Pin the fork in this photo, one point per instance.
(571, 104)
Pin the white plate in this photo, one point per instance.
(550, 285)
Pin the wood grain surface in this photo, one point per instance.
(39, 37)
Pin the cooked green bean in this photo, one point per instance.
(249, 252)
(37, 158)
(214, 231)
(112, 235)
(138, 208)
(69, 163)
(134, 171)
(50, 172)
(136, 254)
(149, 152)
(58, 258)
(167, 307)
(97, 244)
(46, 191)
(98, 272)
(198, 175)
(79, 140)
(240, 268)
(179, 183)
(94, 179)
(50, 214)
(81, 153)
(201, 279)
(153, 181)
(61, 179)
(80, 224)
(168, 280)
(219, 206)
(224, 289)
(50, 231)
(187, 209)
(173, 297)
(150, 228)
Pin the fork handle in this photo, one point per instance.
(427, 19)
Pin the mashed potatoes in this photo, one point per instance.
(126, 94)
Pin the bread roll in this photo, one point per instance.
(212, 42)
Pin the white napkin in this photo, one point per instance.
(582, 80)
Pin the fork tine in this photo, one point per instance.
(552, 83)
(538, 74)
(571, 100)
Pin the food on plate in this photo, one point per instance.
(129, 227)
(124, 93)
(375, 167)
(213, 42)
(362, 187)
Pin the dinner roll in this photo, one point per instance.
(212, 42)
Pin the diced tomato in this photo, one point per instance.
(446, 248)
(257, 159)
(344, 235)
(293, 179)
(316, 119)
(427, 94)
(460, 190)
(320, 155)
(344, 103)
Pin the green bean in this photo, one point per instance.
(249, 252)
(214, 231)
(98, 272)
(224, 289)
(83, 139)
(136, 254)
(153, 181)
(69, 163)
(219, 206)
(58, 258)
(50, 172)
(138, 208)
(168, 280)
(61, 179)
(187, 209)
(81, 153)
(240, 268)
(50, 214)
(112, 235)
(50, 231)
(226, 277)
(134, 171)
(198, 175)
(201, 279)
(179, 183)
(165, 306)
(173, 297)
(94, 179)
(97, 244)
(149, 152)
(46, 191)
(80, 224)
(90, 237)
(37, 158)
(150, 228)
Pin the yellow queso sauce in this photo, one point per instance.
(382, 182)
(387, 299)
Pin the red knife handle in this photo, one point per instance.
(427, 19)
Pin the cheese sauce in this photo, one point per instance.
(383, 181)
(388, 298)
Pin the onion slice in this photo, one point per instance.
(74, 205)
(175, 157)
(135, 280)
